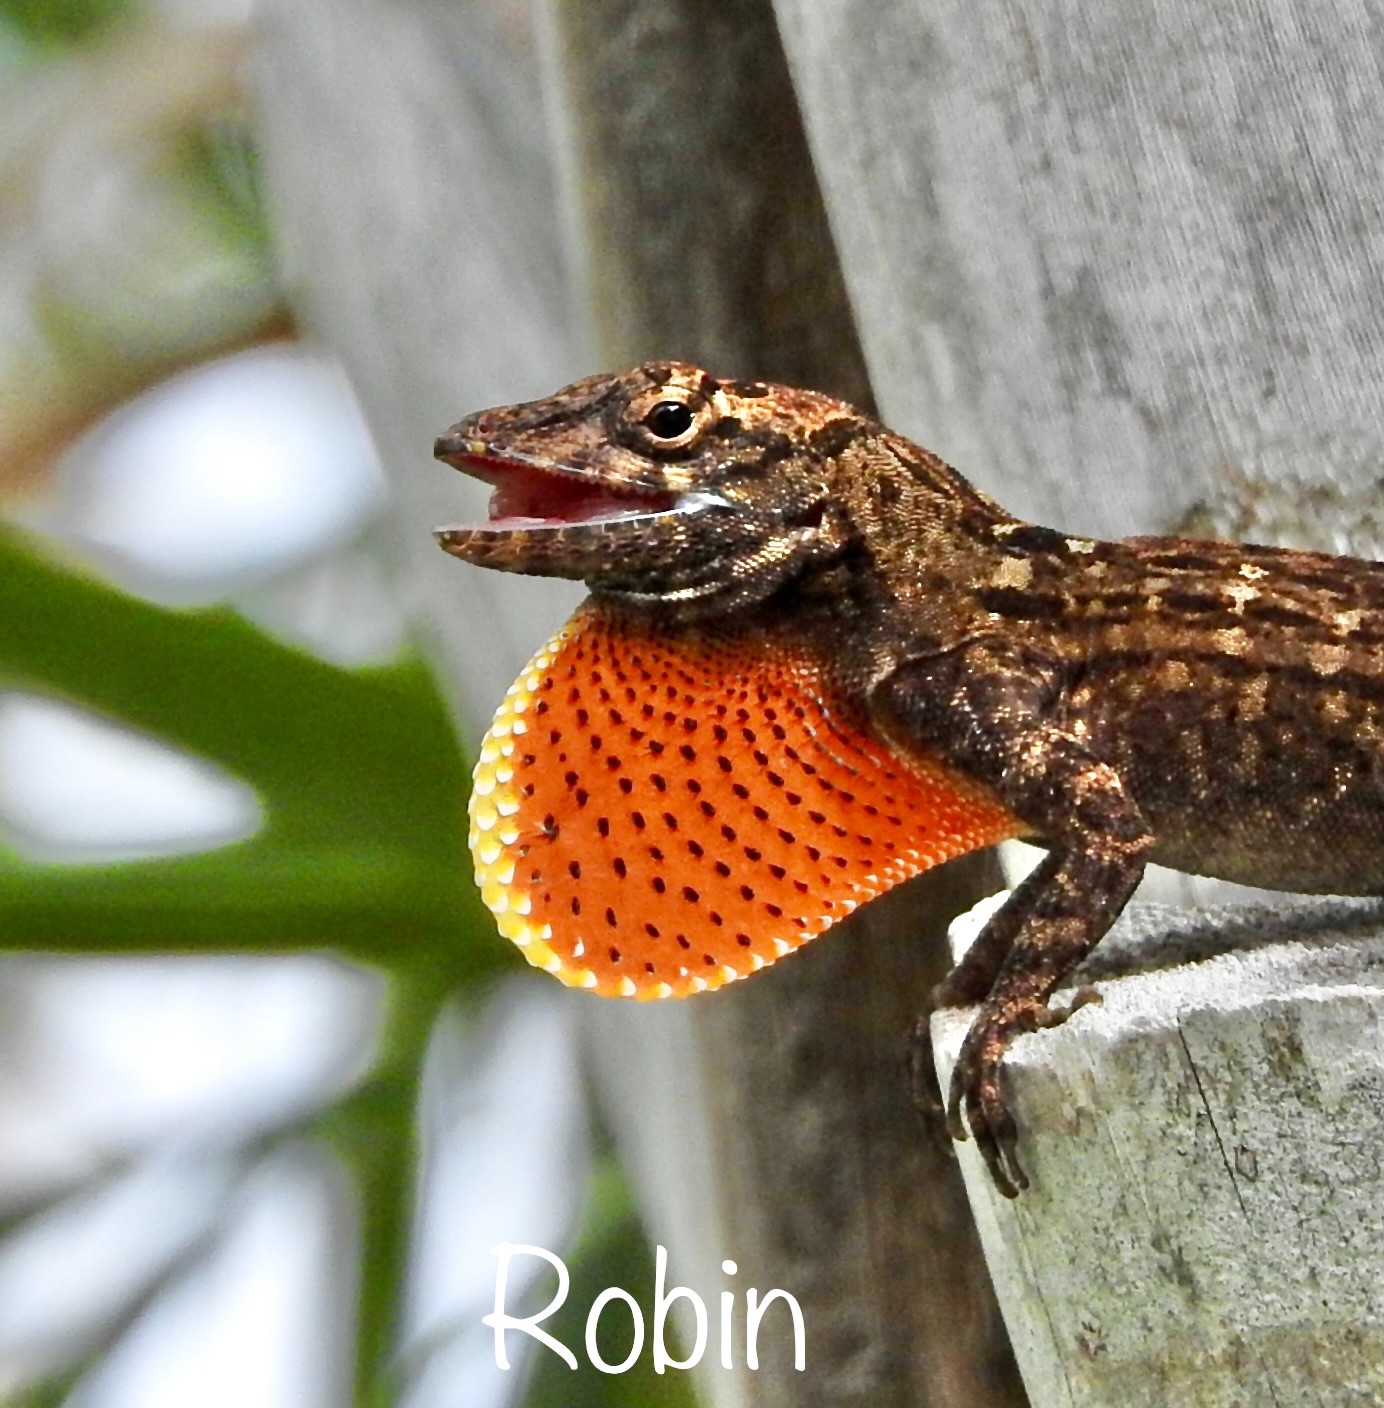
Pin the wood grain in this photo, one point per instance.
(1122, 266)
(1111, 261)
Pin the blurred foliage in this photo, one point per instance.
(58, 23)
(132, 228)
(222, 172)
(361, 851)
(358, 771)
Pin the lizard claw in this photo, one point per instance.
(975, 1093)
(975, 1088)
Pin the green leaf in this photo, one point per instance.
(363, 785)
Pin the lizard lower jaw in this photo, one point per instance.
(549, 545)
(590, 525)
(595, 540)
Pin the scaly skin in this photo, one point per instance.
(767, 552)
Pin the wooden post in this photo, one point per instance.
(769, 1124)
(1120, 265)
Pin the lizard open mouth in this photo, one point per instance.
(551, 518)
(530, 494)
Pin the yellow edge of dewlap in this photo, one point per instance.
(494, 803)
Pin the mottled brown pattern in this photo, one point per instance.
(1214, 707)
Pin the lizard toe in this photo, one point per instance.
(1046, 1017)
(995, 1133)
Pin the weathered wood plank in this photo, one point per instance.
(1234, 1258)
(1112, 261)
(1122, 266)
(701, 229)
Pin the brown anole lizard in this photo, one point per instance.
(816, 661)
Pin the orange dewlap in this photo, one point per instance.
(653, 819)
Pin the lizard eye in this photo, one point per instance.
(669, 420)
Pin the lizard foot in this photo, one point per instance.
(975, 1085)
(957, 989)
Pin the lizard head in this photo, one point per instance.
(661, 487)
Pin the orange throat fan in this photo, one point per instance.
(656, 817)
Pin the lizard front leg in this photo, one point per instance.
(997, 719)
(968, 983)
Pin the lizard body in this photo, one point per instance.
(804, 626)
